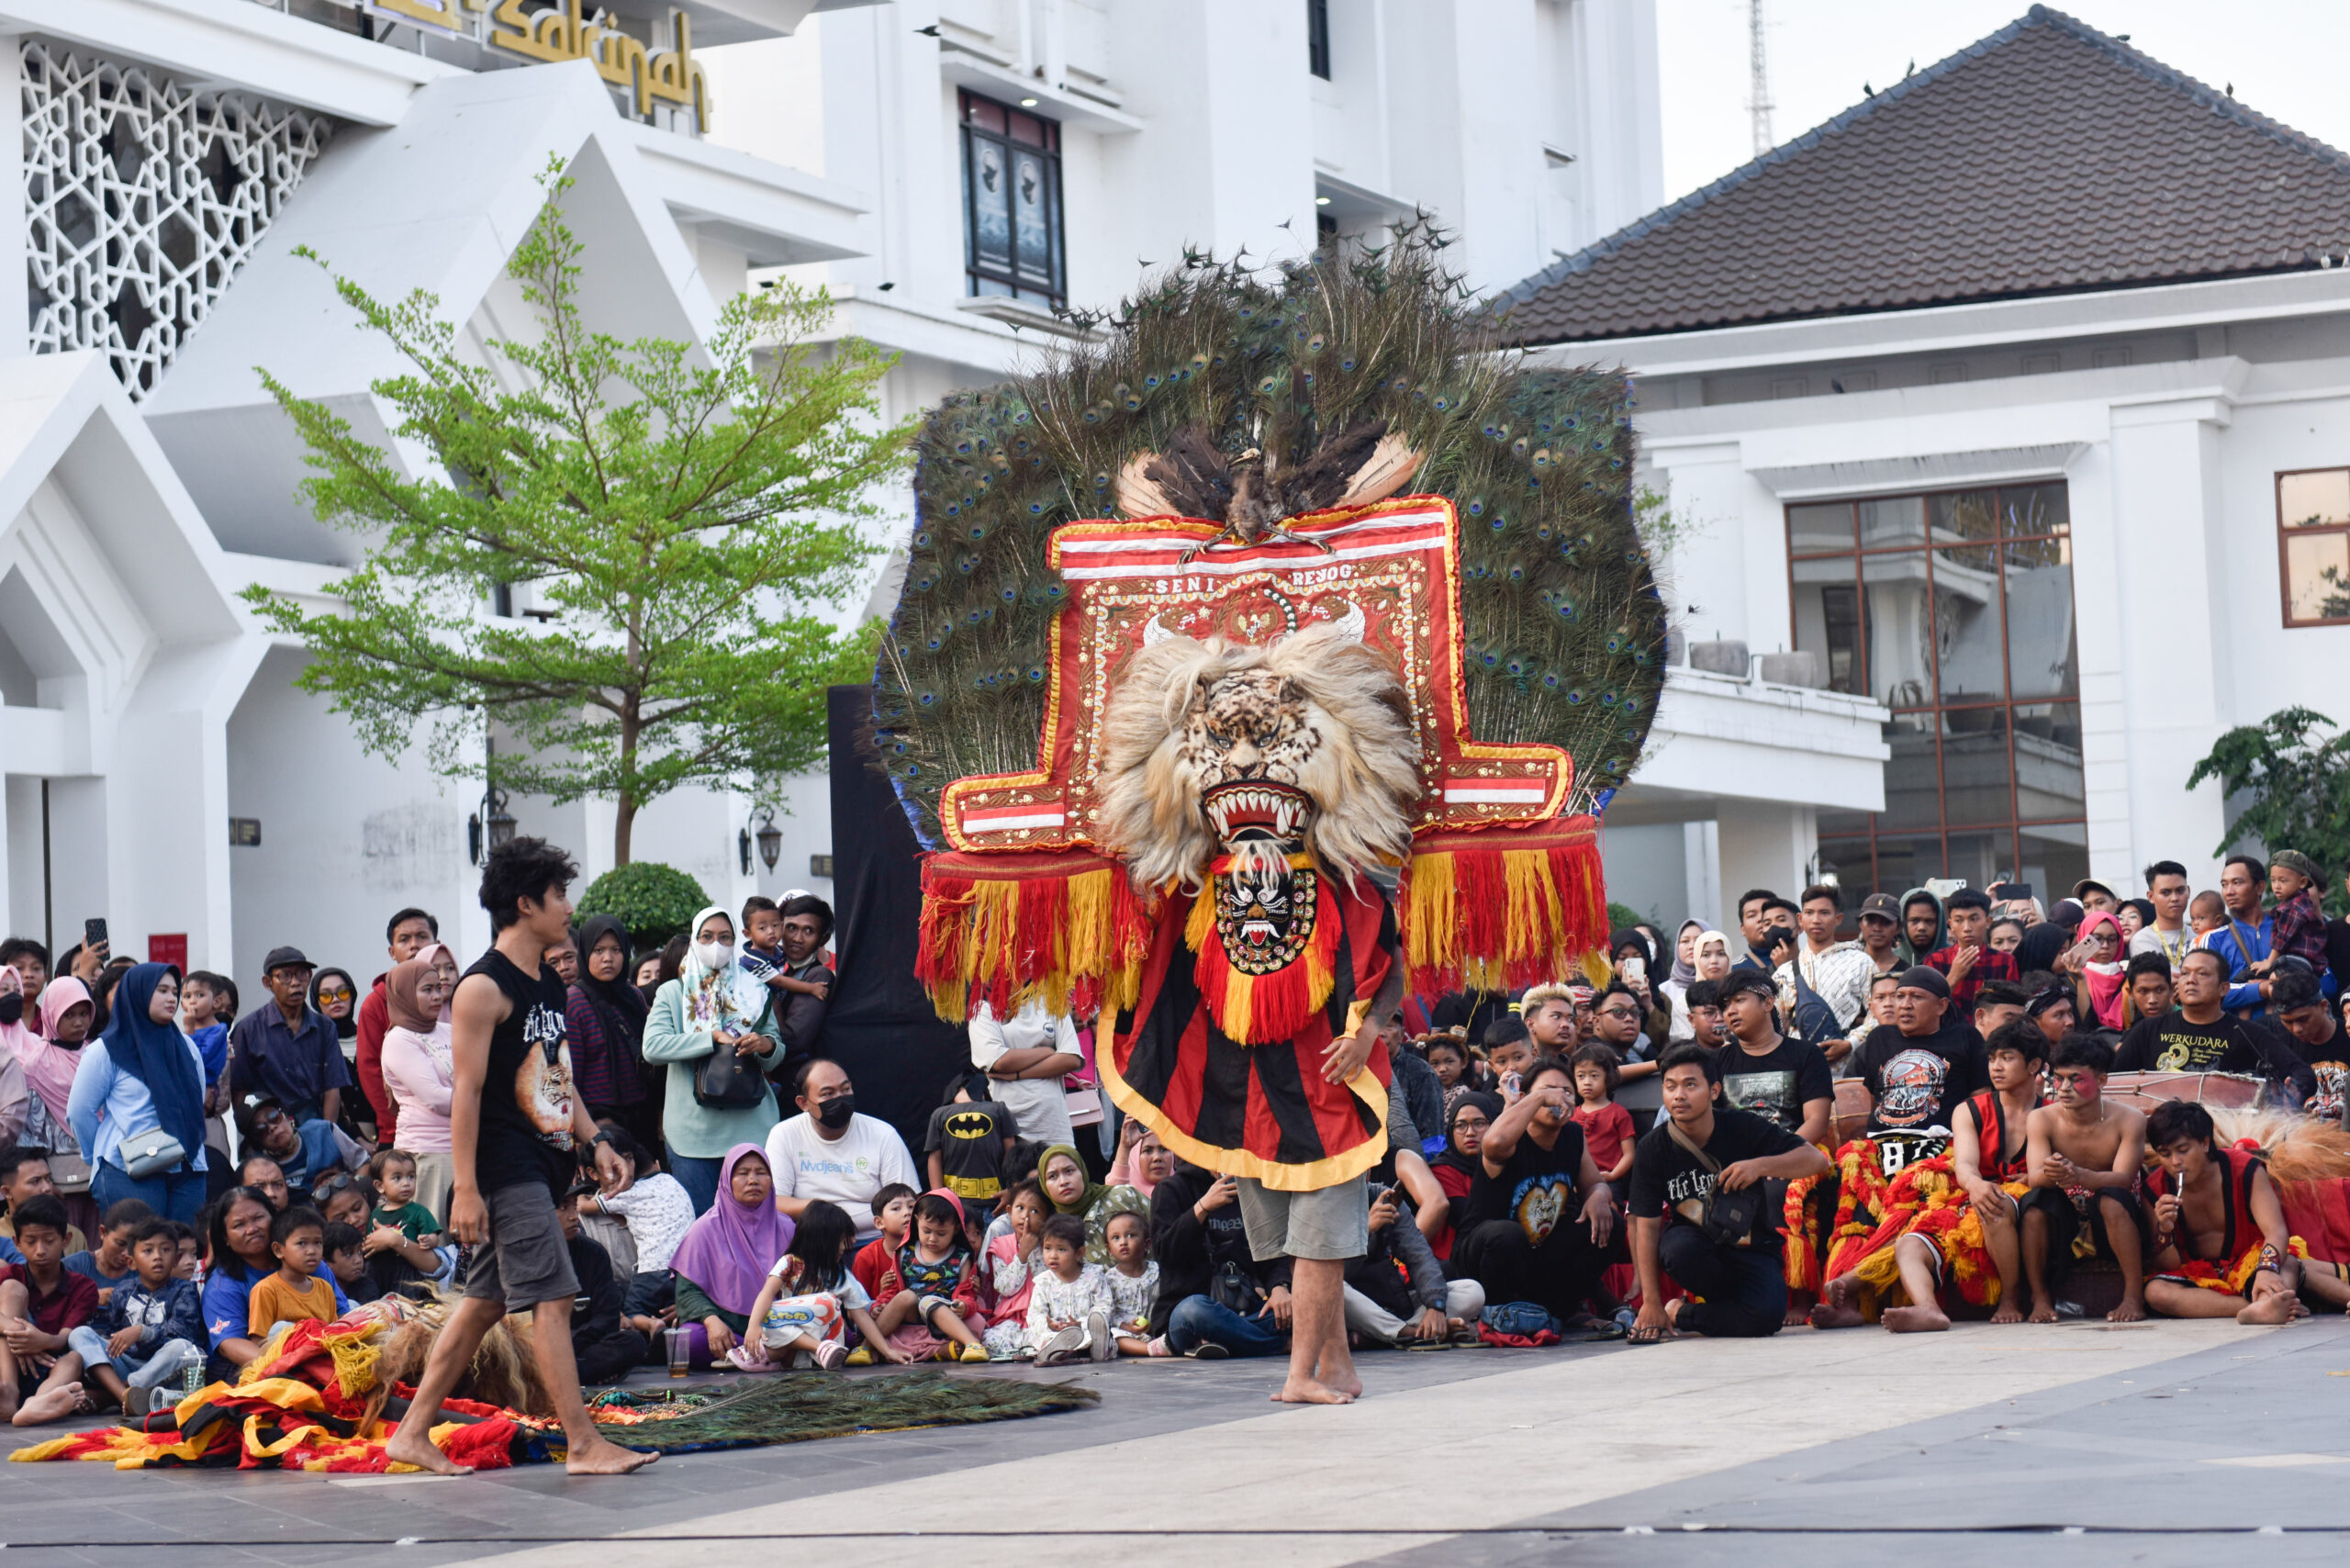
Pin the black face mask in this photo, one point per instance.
(11, 1007)
(834, 1112)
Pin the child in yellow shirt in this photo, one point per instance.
(297, 1239)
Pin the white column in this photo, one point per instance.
(15, 286)
(2145, 587)
(1762, 844)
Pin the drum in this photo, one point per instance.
(2147, 1090)
(1853, 1108)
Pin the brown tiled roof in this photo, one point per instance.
(2048, 158)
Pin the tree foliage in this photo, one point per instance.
(2298, 782)
(654, 902)
(691, 517)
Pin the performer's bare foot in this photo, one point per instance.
(1929, 1320)
(1309, 1391)
(402, 1448)
(1799, 1311)
(599, 1457)
(48, 1404)
(1836, 1308)
(2042, 1310)
(1346, 1383)
(2274, 1307)
(2131, 1310)
(2005, 1312)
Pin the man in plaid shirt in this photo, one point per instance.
(1968, 960)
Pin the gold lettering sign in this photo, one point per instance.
(565, 32)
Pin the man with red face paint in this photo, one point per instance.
(2083, 1154)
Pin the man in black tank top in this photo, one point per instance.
(515, 1125)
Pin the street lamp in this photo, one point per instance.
(770, 839)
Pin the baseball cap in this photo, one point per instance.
(2082, 889)
(1882, 904)
(286, 958)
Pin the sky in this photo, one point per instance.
(2284, 57)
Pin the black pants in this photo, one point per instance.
(1561, 1275)
(1745, 1288)
(2066, 1221)
(608, 1359)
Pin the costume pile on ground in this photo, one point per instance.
(326, 1397)
(1281, 588)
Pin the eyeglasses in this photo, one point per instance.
(336, 994)
(1619, 1013)
(331, 1185)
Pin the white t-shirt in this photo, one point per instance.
(847, 1171)
(658, 1211)
(1040, 1106)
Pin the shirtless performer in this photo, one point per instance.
(1964, 1237)
(2083, 1158)
(2221, 1245)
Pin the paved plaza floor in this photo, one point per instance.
(2074, 1443)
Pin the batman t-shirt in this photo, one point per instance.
(969, 1140)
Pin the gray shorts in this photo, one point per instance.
(1327, 1222)
(525, 1262)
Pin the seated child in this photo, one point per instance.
(41, 1303)
(930, 1284)
(1131, 1285)
(876, 1265)
(970, 1137)
(347, 1260)
(190, 1266)
(149, 1330)
(1067, 1305)
(400, 1240)
(1007, 1271)
(108, 1264)
(297, 1239)
(658, 1211)
(807, 1295)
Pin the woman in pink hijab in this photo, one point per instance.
(419, 1071)
(66, 1012)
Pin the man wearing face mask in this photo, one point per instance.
(829, 1151)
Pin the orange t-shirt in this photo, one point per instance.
(274, 1302)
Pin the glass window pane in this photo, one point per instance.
(1973, 514)
(2048, 762)
(1969, 661)
(1980, 858)
(991, 192)
(982, 111)
(1898, 520)
(2042, 657)
(1896, 633)
(2035, 508)
(1854, 864)
(1844, 823)
(2317, 576)
(1035, 237)
(1974, 765)
(1812, 529)
(1904, 863)
(1912, 774)
(2313, 499)
(2054, 857)
(1828, 619)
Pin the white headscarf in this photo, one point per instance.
(1697, 950)
(722, 996)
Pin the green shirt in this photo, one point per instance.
(693, 1129)
(416, 1221)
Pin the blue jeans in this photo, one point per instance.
(1745, 1288)
(150, 1368)
(698, 1177)
(173, 1194)
(1197, 1319)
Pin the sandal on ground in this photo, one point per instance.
(741, 1360)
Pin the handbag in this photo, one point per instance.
(724, 1081)
(149, 1153)
(1237, 1290)
(1725, 1220)
(70, 1173)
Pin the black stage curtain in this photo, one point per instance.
(880, 1025)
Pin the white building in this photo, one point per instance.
(2018, 399)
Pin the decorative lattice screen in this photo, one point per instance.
(142, 197)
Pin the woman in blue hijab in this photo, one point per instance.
(138, 1085)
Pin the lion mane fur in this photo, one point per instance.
(1362, 775)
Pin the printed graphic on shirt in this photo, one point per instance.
(1683, 1185)
(1538, 1204)
(2332, 1081)
(543, 1083)
(968, 1125)
(2188, 1053)
(1913, 1089)
(1768, 1095)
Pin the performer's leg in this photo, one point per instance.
(2117, 1216)
(587, 1450)
(1923, 1280)
(2174, 1298)
(2043, 1231)
(2003, 1241)
(1321, 1372)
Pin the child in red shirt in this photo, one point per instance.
(1606, 1126)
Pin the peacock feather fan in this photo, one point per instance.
(1267, 390)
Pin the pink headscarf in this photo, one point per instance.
(728, 1251)
(50, 1067)
(2107, 997)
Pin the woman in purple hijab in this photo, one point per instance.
(726, 1254)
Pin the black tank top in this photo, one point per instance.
(526, 1095)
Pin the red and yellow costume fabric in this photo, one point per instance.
(1936, 1207)
(2240, 1244)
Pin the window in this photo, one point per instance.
(1954, 610)
(2314, 545)
(1011, 202)
(1317, 37)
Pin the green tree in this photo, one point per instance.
(687, 513)
(654, 902)
(2300, 784)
